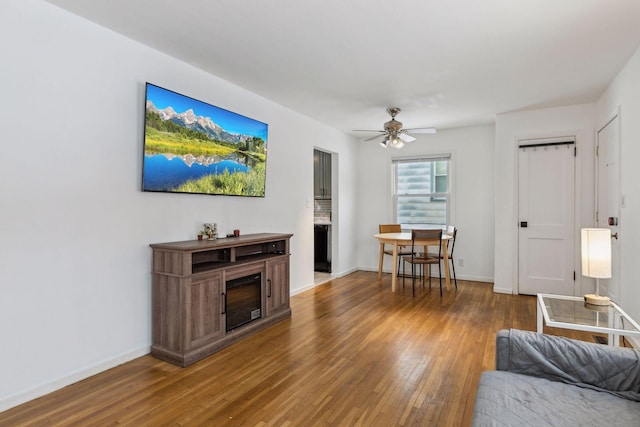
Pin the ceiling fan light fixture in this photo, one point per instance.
(396, 142)
(393, 133)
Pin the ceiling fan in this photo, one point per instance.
(393, 134)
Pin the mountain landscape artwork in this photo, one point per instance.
(194, 147)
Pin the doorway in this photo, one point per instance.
(322, 214)
(546, 231)
(608, 199)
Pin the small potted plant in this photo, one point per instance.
(201, 234)
(210, 229)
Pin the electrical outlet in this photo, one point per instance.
(461, 262)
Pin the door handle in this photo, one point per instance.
(224, 303)
(614, 235)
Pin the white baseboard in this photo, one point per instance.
(458, 276)
(503, 290)
(302, 289)
(313, 285)
(347, 272)
(476, 278)
(71, 378)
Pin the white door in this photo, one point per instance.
(546, 217)
(608, 199)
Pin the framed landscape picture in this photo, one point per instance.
(194, 147)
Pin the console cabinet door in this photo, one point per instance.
(205, 311)
(277, 285)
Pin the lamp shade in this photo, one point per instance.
(596, 252)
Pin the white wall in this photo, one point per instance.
(510, 128)
(472, 209)
(624, 93)
(74, 225)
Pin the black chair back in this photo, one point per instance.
(421, 235)
(453, 242)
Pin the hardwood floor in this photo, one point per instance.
(353, 353)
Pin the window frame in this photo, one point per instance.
(434, 176)
(447, 198)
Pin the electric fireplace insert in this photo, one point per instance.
(243, 300)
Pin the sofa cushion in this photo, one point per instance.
(509, 399)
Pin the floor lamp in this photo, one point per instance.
(596, 260)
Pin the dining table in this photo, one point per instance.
(404, 239)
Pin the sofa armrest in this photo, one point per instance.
(590, 365)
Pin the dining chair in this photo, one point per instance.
(420, 259)
(451, 231)
(402, 250)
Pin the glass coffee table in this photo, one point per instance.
(567, 312)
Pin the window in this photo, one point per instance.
(422, 191)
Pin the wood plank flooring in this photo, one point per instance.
(352, 354)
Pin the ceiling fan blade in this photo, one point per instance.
(376, 137)
(406, 137)
(421, 130)
(367, 130)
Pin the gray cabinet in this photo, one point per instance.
(321, 174)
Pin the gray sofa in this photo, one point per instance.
(545, 380)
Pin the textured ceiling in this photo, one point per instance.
(446, 63)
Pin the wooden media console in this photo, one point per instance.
(190, 299)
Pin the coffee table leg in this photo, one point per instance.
(539, 316)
